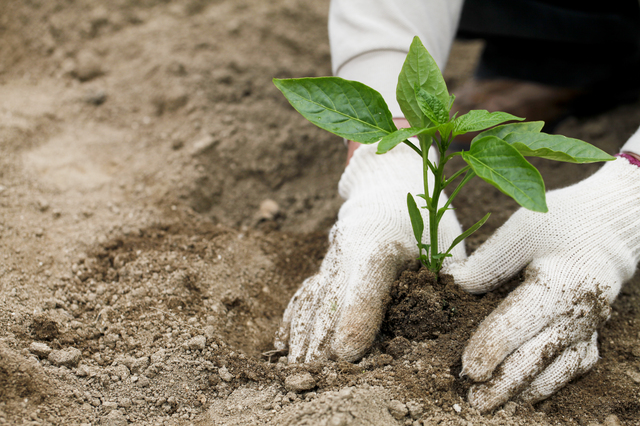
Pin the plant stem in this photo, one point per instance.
(433, 213)
(412, 146)
(455, 176)
(434, 258)
(467, 177)
(425, 172)
(440, 182)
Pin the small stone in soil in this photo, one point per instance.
(88, 66)
(300, 382)
(269, 209)
(346, 393)
(43, 205)
(224, 374)
(634, 375)
(341, 419)
(139, 365)
(83, 371)
(209, 332)
(109, 406)
(197, 343)
(158, 356)
(202, 145)
(415, 409)
(124, 402)
(397, 409)
(95, 97)
(510, 408)
(331, 377)
(114, 418)
(40, 349)
(612, 420)
(68, 357)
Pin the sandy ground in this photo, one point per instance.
(160, 202)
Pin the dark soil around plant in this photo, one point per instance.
(423, 308)
(160, 202)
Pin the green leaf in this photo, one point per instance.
(391, 140)
(468, 232)
(502, 131)
(431, 106)
(420, 70)
(445, 129)
(476, 120)
(501, 165)
(439, 256)
(416, 218)
(556, 147)
(346, 108)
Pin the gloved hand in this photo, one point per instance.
(579, 254)
(337, 312)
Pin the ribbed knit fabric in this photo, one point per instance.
(630, 158)
(337, 312)
(578, 255)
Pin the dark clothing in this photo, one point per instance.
(569, 43)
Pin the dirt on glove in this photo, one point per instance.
(160, 203)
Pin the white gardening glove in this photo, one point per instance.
(337, 312)
(579, 254)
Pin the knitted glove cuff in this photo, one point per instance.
(633, 160)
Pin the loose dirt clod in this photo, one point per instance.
(269, 209)
(397, 409)
(415, 409)
(88, 66)
(41, 349)
(114, 418)
(197, 343)
(612, 420)
(224, 374)
(299, 382)
(69, 357)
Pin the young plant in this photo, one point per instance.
(356, 112)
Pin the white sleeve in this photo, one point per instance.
(370, 38)
(633, 144)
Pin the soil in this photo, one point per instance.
(161, 202)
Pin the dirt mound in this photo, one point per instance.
(423, 308)
(21, 377)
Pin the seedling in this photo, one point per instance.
(357, 112)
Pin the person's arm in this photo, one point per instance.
(370, 40)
